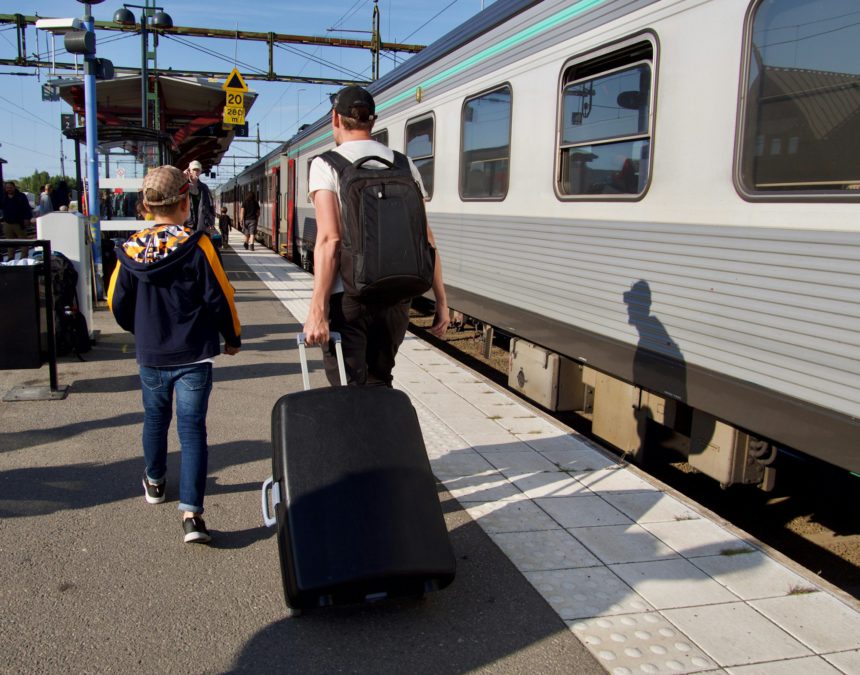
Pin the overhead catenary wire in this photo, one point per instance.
(31, 114)
(320, 61)
(212, 52)
(433, 18)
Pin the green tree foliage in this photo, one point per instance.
(40, 179)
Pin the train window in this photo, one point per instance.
(419, 148)
(486, 145)
(605, 144)
(380, 136)
(800, 110)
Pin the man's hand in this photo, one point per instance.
(440, 321)
(316, 330)
(232, 351)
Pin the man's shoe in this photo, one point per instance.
(154, 492)
(246, 245)
(195, 531)
(252, 247)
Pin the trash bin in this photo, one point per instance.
(20, 329)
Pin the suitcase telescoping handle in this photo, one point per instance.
(303, 358)
(270, 483)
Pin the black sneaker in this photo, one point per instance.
(195, 531)
(154, 492)
(246, 245)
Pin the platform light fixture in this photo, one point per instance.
(152, 18)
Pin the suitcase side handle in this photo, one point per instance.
(270, 483)
(303, 358)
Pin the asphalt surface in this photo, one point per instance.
(94, 579)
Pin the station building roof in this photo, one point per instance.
(190, 112)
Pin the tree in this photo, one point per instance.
(40, 179)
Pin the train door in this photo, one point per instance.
(290, 213)
(275, 201)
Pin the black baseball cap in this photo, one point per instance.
(353, 97)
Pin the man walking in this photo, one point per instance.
(202, 215)
(17, 215)
(372, 331)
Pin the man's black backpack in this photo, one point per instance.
(385, 254)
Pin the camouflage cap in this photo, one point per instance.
(164, 185)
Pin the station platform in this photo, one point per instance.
(568, 561)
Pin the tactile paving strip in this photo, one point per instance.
(640, 643)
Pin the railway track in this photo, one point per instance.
(812, 515)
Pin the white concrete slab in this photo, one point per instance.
(554, 484)
(847, 662)
(546, 550)
(810, 664)
(645, 507)
(700, 537)
(516, 516)
(672, 583)
(751, 575)
(623, 544)
(587, 592)
(734, 634)
(818, 620)
(582, 511)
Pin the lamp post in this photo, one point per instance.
(80, 38)
(159, 19)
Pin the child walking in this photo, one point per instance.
(171, 291)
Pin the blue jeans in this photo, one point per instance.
(192, 384)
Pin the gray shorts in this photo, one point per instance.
(250, 227)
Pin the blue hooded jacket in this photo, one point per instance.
(177, 304)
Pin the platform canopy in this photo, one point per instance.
(190, 113)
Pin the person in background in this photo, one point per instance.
(202, 215)
(170, 290)
(46, 205)
(248, 216)
(60, 196)
(17, 215)
(225, 222)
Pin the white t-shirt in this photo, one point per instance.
(323, 176)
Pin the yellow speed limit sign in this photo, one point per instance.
(234, 110)
(235, 87)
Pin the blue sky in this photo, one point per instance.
(30, 136)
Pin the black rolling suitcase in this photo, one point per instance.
(355, 502)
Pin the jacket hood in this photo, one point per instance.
(154, 253)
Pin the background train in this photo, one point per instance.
(657, 198)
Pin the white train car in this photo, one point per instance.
(665, 192)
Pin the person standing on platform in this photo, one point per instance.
(371, 332)
(249, 214)
(60, 196)
(17, 215)
(46, 205)
(225, 222)
(171, 291)
(202, 215)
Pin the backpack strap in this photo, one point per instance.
(401, 162)
(336, 161)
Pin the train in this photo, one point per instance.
(657, 200)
